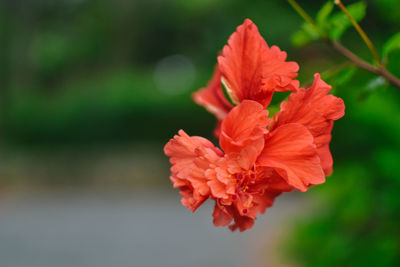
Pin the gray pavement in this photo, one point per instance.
(141, 228)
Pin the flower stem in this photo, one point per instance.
(361, 32)
(301, 11)
(382, 71)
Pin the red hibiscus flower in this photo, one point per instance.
(256, 165)
(260, 157)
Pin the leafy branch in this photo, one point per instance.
(330, 32)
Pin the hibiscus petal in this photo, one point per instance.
(244, 161)
(264, 201)
(221, 217)
(242, 223)
(269, 180)
(213, 98)
(190, 199)
(252, 70)
(190, 158)
(316, 110)
(289, 149)
(244, 220)
(218, 189)
(244, 125)
(220, 181)
(278, 73)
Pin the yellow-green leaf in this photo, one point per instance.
(392, 44)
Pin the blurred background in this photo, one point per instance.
(90, 91)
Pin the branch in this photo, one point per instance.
(364, 64)
(381, 70)
(361, 32)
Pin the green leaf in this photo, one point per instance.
(323, 14)
(392, 44)
(304, 36)
(309, 32)
(301, 38)
(340, 22)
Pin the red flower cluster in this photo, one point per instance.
(260, 157)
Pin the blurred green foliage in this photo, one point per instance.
(333, 25)
(79, 72)
(359, 206)
(83, 71)
(358, 215)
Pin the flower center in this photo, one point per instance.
(245, 188)
(244, 180)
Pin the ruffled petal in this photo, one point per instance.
(241, 222)
(190, 198)
(244, 126)
(289, 149)
(269, 180)
(245, 207)
(218, 188)
(213, 98)
(221, 216)
(316, 110)
(221, 182)
(191, 157)
(278, 73)
(252, 70)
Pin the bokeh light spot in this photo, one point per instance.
(174, 74)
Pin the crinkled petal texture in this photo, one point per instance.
(190, 158)
(241, 189)
(244, 126)
(261, 157)
(316, 110)
(244, 209)
(212, 97)
(289, 149)
(252, 70)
